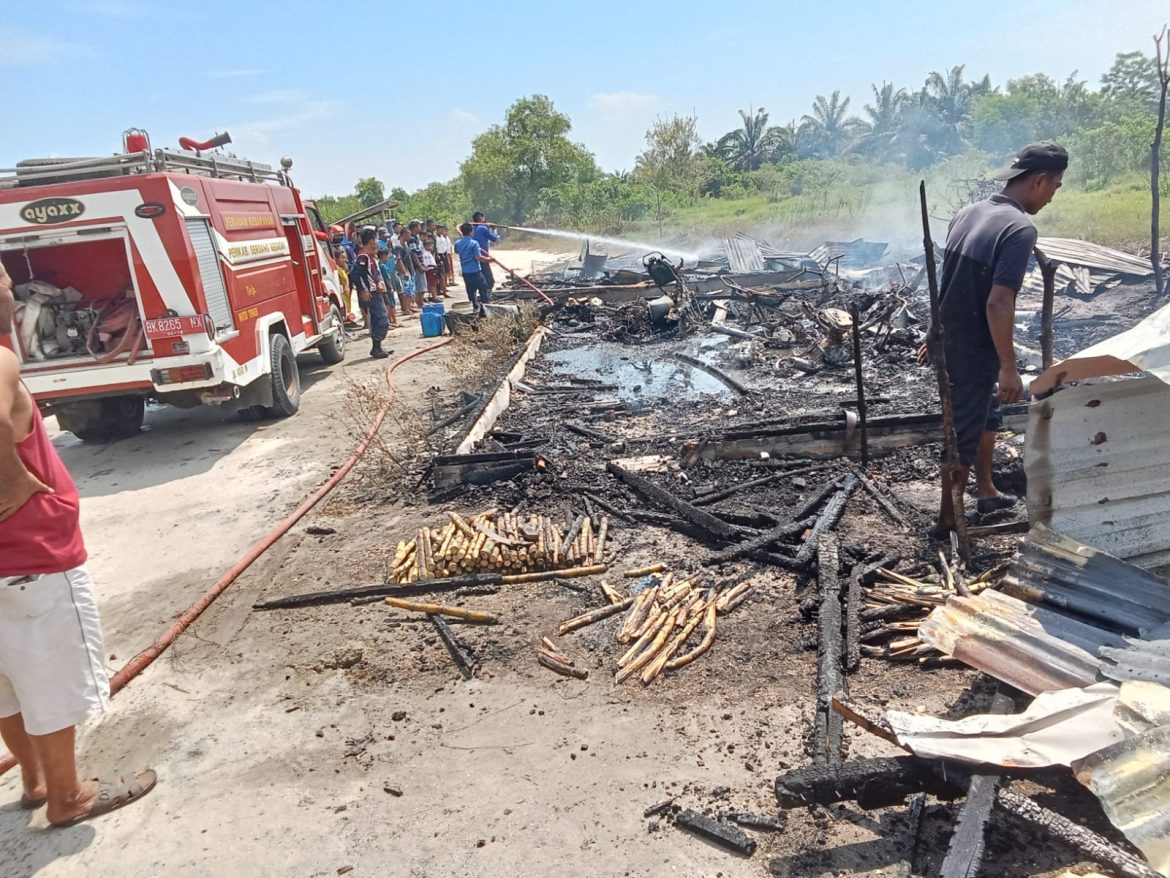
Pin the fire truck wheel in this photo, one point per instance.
(286, 380)
(116, 417)
(332, 347)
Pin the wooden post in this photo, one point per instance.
(1048, 273)
(855, 314)
(944, 383)
(1156, 160)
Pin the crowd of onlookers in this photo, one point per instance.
(394, 266)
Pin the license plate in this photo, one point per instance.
(169, 327)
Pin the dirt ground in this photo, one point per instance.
(341, 739)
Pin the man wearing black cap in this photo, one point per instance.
(988, 247)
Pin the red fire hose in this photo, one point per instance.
(522, 280)
(144, 659)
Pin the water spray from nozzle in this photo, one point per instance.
(601, 239)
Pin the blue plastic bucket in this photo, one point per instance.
(432, 319)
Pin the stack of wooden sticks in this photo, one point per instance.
(498, 542)
(897, 603)
(662, 619)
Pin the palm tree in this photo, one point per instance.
(828, 129)
(878, 134)
(751, 146)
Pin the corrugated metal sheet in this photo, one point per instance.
(1069, 279)
(1098, 466)
(1033, 648)
(743, 254)
(1144, 348)
(1053, 570)
(1084, 253)
(1132, 780)
(1146, 659)
(858, 253)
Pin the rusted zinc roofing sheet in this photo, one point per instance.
(1132, 780)
(1094, 256)
(1146, 659)
(1143, 348)
(1098, 465)
(1053, 570)
(743, 254)
(1034, 648)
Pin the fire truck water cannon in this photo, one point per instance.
(198, 146)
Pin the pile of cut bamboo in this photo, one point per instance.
(896, 604)
(498, 542)
(662, 619)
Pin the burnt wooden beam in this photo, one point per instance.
(828, 731)
(589, 433)
(751, 546)
(905, 866)
(462, 662)
(717, 374)
(879, 496)
(1089, 843)
(829, 517)
(731, 837)
(872, 783)
(965, 854)
(699, 517)
(343, 595)
(853, 618)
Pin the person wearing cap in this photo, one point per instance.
(985, 258)
(485, 235)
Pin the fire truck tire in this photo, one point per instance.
(332, 347)
(115, 417)
(286, 379)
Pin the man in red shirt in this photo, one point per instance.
(52, 672)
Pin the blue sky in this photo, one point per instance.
(397, 90)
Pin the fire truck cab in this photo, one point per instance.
(167, 275)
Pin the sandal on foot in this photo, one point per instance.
(940, 532)
(27, 803)
(115, 794)
(999, 501)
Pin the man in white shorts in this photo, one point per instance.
(52, 673)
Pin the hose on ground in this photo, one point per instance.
(171, 633)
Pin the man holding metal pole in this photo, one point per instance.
(986, 256)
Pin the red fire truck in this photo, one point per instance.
(182, 276)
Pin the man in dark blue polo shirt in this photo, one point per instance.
(987, 251)
(485, 235)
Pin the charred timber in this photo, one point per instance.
(731, 837)
(872, 783)
(828, 732)
(758, 543)
(715, 373)
(342, 595)
(699, 517)
(828, 519)
(1084, 840)
(968, 844)
(453, 647)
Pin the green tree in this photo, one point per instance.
(511, 164)
(369, 191)
(754, 144)
(878, 133)
(673, 156)
(828, 130)
(1132, 80)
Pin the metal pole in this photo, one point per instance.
(522, 280)
(944, 384)
(855, 314)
